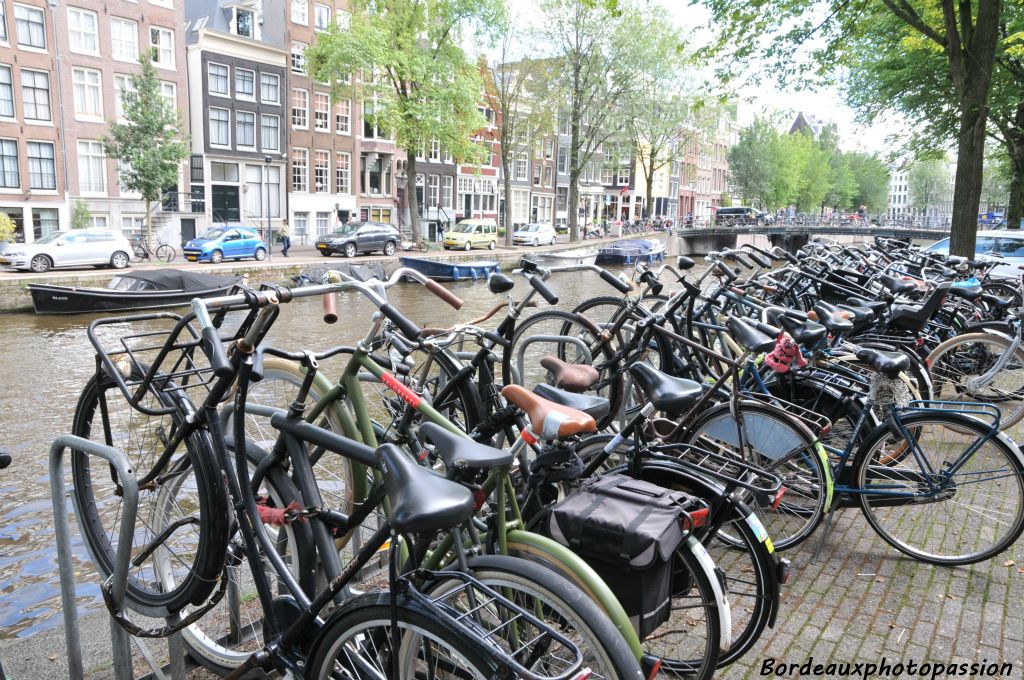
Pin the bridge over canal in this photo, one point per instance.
(702, 240)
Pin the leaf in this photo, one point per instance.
(1009, 563)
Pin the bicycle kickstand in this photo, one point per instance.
(824, 533)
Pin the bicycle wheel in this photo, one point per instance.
(959, 365)
(356, 643)
(233, 629)
(931, 504)
(776, 444)
(166, 253)
(188, 494)
(562, 606)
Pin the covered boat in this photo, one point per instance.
(149, 289)
(442, 270)
(631, 251)
(563, 258)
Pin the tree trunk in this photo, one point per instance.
(149, 229)
(410, 196)
(650, 194)
(1014, 207)
(575, 168)
(506, 166)
(968, 183)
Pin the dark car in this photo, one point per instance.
(360, 237)
(731, 217)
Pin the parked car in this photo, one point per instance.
(472, 233)
(534, 235)
(78, 247)
(225, 243)
(360, 237)
(1005, 246)
(741, 215)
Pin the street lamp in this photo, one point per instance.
(267, 160)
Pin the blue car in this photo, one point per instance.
(225, 243)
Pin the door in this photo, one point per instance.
(188, 229)
(232, 244)
(225, 203)
(71, 249)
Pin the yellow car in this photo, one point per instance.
(472, 233)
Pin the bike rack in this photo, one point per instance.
(118, 581)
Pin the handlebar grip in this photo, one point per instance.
(786, 254)
(544, 291)
(330, 308)
(724, 269)
(408, 328)
(614, 281)
(214, 350)
(760, 259)
(497, 339)
(440, 291)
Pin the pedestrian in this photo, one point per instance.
(286, 237)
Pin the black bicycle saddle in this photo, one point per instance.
(421, 499)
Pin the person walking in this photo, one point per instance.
(286, 237)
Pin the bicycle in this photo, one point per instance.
(141, 251)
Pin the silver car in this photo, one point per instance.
(1004, 246)
(79, 247)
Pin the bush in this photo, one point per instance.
(80, 216)
(7, 228)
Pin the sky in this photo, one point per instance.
(825, 104)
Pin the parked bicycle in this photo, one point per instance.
(141, 251)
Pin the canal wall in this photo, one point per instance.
(700, 244)
(15, 296)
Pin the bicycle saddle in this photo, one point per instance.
(749, 337)
(457, 450)
(571, 377)
(889, 363)
(996, 301)
(548, 419)
(498, 283)
(592, 405)
(831, 318)
(670, 395)
(896, 286)
(807, 333)
(421, 499)
(915, 317)
(876, 306)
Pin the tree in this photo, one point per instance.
(966, 33)
(594, 48)
(752, 162)
(815, 175)
(419, 83)
(149, 143)
(80, 215)
(927, 181)
(871, 179)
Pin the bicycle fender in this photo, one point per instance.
(721, 598)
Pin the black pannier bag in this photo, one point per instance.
(628, 530)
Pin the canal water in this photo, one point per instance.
(45, 362)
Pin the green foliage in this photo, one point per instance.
(927, 181)
(80, 215)
(871, 181)
(7, 227)
(995, 188)
(725, 201)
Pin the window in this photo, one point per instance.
(96, 222)
(623, 175)
(321, 112)
(378, 173)
(607, 175)
(563, 123)
(322, 171)
(169, 92)
(83, 31)
(435, 149)
(323, 223)
(224, 172)
(245, 129)
(124, 39)
(433, 191)
(9, 173)
(563, 160)
(300, 12)
(3, 22)
(244, 23)
(6, 91)
(300, 170)
(321, 17)
(536, 174)
(92, 167)
(122, 84)
(520, 205)
(301, 223)
(218, 79)
(270, 86)
(343, 174)
(298, 57)
(549, 148)
(132, 225)
(371, 129)
(548, 174)
(270, 133)
(245, 84)
(300, 108)
(42, 172)
(254, 190)
(343, 117)
(220, 132)
(162, 41)
(35, 94)
(446, 192)
(87, 90)
(30, 26)
(274, 190)
(522, 167)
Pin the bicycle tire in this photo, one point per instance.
(882, 513)
(956, 361)
(606, 652)
(369, 617)
(782, 447)
(200, 570)
(166, 253)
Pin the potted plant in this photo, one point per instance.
(7, 231)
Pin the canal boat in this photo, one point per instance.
(565, 258)
(631, 251)
(131, 290)
(443, 270)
